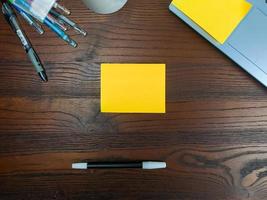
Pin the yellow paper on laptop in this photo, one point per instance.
(219, 18)
(133, 88)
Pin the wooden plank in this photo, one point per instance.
(47, 124)
(228, 172)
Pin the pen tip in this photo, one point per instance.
(40, 31)
(81, 31)
(43, 76)
(73, 43)
(84, 33)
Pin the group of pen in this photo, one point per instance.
(55, 21)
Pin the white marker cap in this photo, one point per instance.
(154, 165)
(79, 166)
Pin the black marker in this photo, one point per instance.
(113, 165)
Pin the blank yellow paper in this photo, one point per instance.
(219, 18)
(133, 88)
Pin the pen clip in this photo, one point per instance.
(7, 17)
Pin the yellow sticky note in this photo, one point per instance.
(219, 18)
(133, 88)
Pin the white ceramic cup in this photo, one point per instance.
(105, 6)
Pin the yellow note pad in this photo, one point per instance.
(133, 88)
(219, 18)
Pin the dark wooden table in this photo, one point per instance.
(213, 136)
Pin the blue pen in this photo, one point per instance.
(55, 28)
(29, 20)
(32, 22)
(60, 32)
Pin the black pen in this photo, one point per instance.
(32, 55)
(112, 165)
(68, 22)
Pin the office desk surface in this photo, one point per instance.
(213, 136)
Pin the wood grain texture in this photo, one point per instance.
(213, 136)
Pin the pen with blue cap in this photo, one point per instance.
(11, 18)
